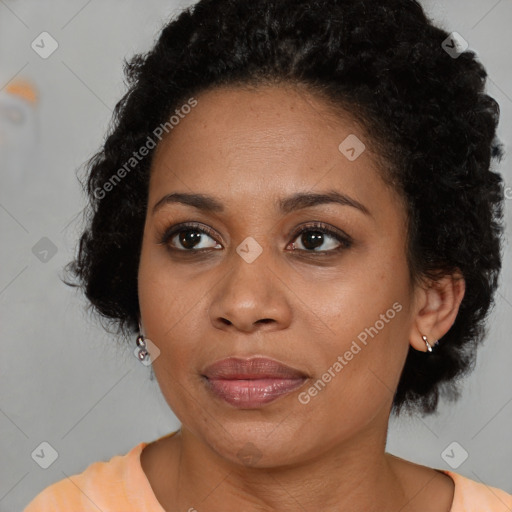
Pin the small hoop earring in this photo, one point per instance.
(429, 347)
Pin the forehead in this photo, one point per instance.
(244, 145)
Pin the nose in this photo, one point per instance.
(250, 297)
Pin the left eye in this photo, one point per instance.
(313, 237)
(188, 236)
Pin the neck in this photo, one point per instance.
(355, 475)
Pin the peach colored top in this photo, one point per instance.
(120, 485)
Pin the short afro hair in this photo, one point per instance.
(424, 111)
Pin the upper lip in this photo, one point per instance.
(253, 368)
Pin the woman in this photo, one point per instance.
(285, 212)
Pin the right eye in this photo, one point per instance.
(188, 235)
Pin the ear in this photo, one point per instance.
(437, 304)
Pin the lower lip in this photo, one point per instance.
(251, 394)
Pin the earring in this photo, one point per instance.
(142, 352)
(429, 348)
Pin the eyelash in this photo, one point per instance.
(345, 241)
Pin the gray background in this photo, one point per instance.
(68, 382)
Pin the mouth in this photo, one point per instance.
(251, 383)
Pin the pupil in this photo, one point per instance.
(188, 238)
(311, 237)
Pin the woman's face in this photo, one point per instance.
(341, 316)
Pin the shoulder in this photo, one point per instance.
(99, 486)
(455, 492)
(473, 496)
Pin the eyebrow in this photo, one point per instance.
(286, 205)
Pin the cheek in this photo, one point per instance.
(171, 304)
(362, 353)
(365, 296)
(359, 369)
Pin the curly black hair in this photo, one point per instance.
(422, 107)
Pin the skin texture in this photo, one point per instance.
(248, 149)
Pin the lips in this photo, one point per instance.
(254, 368)
(251, 383)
